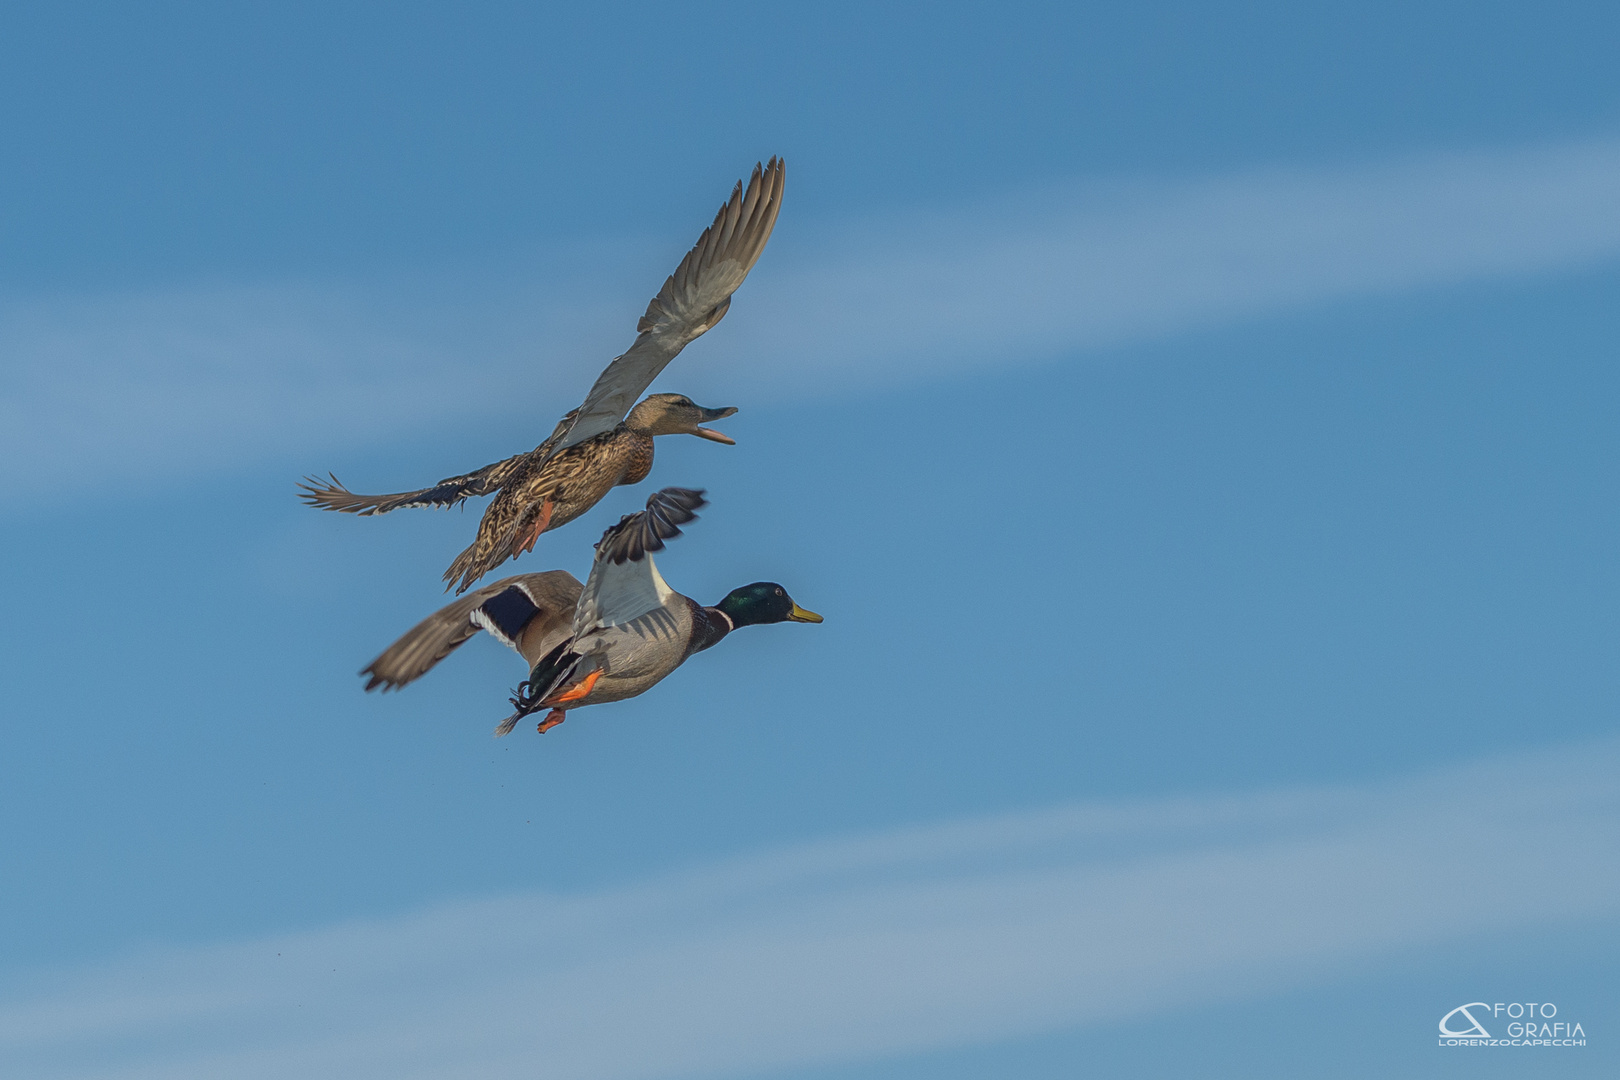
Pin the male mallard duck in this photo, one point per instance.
(613, 638)
(597, 445)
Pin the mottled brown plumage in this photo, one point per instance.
(572, 482)
(541, 490)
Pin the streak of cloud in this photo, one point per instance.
(1042, 273)
(850, 949)
(113, 389)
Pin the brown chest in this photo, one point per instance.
(639, 459)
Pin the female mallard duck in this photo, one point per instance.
(614, 638)
(597, 445)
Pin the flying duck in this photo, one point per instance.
(613, 638)
(604, 442)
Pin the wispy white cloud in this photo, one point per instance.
(141, 388)
(100, 389)
(904, 941)
(1041, 273)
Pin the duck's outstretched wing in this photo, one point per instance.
(624, 583)
(330, 494)
(693, 299)
(531, 613)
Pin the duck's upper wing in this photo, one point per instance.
(624, 582)
(507, 609)
(693, 299)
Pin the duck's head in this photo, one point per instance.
(763, 602)
(676, 414)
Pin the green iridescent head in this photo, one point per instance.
(763, 602)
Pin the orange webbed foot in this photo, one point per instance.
(577, 691)
(553, 718)
(541, 524)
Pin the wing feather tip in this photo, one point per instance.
(640, 533)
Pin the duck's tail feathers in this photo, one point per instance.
(551, 671)
(478, 559)
(465, 567)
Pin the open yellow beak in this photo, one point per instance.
(799, 614)
(714, 436)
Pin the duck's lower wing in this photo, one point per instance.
(330, 494)
(528, 612)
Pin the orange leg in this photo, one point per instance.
(541, 524)
(575, 692)
(553, 718)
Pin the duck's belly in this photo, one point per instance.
(578, 496)
(618, 688)
(641, 653)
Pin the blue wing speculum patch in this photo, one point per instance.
(506, 614)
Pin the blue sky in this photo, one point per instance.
(1196, 424)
